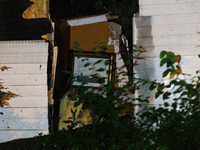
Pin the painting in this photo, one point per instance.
(91, 70)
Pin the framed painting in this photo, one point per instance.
(92, 69)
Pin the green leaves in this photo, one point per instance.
(103, 47)
(76, 104)
(87, 64)
(114, 120)
(166, 72)
(163, 61)
(162, 54)
(166, 104)
(76, 45)
(152, 86)
(100, 70)
(80, 101)
(170, 59)
(66, 72)
(97, 62)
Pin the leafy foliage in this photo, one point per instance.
(115, 127)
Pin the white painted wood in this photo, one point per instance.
(168, 30)
(28, 102)
(181, 50)
(24, 113)
(31, 79)
(29, 91)
(23, 58)
(169, 40)
(88, 20)
(17, 69)
(186, 62)
(179, 19)
(166, 25)
(11, 135)
(156, 73)
(119, 64)
(23, 124)
(159, 2)
(144, 21)
(159, 10)
(174, 19)
(23, 47)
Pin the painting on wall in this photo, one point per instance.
(92, 70)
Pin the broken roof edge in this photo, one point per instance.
(90, 19)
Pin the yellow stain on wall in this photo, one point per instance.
(87, 35)
(40, 9)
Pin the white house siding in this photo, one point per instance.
(27, 115)
(172, 25)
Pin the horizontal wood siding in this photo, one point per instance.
(166, 25)
(23, 124)
(26, 115)
(24, 69)
(28, 102)
(159, 2)
(170, 9)
(168, 30)
(178, 19)
(23, 58)
(31, 79)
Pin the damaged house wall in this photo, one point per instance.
(27, 54)
(87, 31)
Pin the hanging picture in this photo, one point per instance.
(92, 70)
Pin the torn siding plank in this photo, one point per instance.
(23, 124)
(23, 58)
(28, 102)
(28, 91)
(18, 69)
(31, 79)
(39, 9)
(24, 113)
(85, 21)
